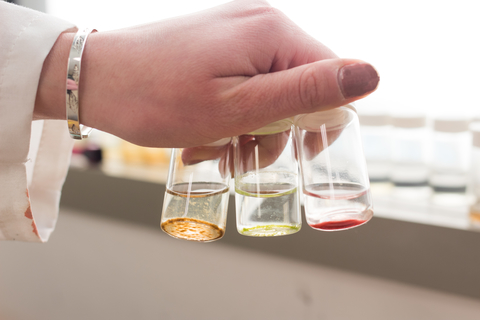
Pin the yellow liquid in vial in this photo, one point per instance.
(272, 210)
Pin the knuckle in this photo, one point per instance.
(268, 17)
(264, 10)
(309, 89)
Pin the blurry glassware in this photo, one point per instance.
(333, 168)
(155, 156)
(475, 171)
(111, 147)
(266, 182)
(450, 162)
(376, 137)
(137, 155)
(409, 163)
(196, 198)
(88, 152)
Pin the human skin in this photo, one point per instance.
(195, 79)
(267, 147)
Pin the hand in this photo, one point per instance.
(221, 150)
(265, 148)
(260, 150)
(315, 142)
(193, 80)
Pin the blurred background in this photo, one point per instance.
(418, 258)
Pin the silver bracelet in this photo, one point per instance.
(77, 131)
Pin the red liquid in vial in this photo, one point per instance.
(338, 225)
(337, 206)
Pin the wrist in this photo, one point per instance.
(50, 98)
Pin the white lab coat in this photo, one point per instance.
(34, 156)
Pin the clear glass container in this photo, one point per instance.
(409, 163)
(450, 161)
(336, 187)
(376, 136)
(196, 200)
(475, 172)
(266, 182)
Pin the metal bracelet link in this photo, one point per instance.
(77, 131)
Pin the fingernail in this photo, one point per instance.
(357, 79)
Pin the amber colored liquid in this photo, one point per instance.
(192, 229)
(195, 211)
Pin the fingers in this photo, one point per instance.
(191, 156)
(224, 154)
(313, 142)
(260, 151)
(254, 152)
(313, 87)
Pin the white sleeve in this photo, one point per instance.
(34, 156)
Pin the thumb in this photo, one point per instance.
(308, 88)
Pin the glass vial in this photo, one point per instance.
(409, 172)
(334, 173)
(196, 200)
(475, 172)
(376, 137)
(266, 182)
(451, 146)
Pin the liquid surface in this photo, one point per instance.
(335, 191)
(267, 209)
(195, 211)
(337, 206)
(197, 189)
